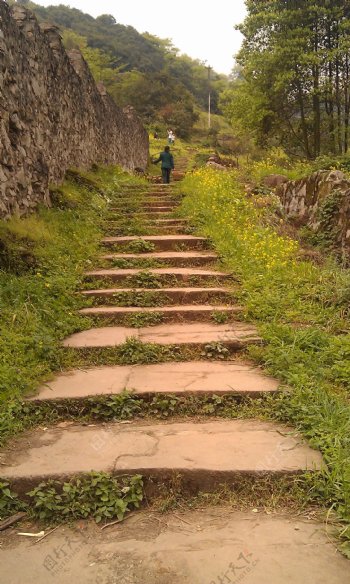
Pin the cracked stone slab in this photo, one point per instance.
(209, 546)
(233, 334)
(191, 377)
(202, 450)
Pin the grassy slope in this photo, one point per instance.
(302, 312)
(43, 258)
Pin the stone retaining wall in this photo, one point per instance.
(321, 202)
(53, 116)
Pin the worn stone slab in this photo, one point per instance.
(173, 258)
(162, 242)
(208, 546)
(181, 274)
(184, 295)
(233, 334)
(181, 378)
(184, 312)
(163, 255)
(165, 222)
(201, 450)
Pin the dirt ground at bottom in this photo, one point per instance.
(209, 546)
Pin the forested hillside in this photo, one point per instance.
(166, 88)
(293, 88)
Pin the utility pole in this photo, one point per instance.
(209, 97)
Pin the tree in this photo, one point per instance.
(296, 56)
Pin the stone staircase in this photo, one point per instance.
(191, 295)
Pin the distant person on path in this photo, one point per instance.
(167, 160)
(171, 137)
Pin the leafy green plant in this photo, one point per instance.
(141, 246)
(96, 495)
(9, 501)
(137, 298)
(164, 406)
(219, 317)
(121, 407)
(215, 350)
(143, 319)
(134, 351)
(145, 279)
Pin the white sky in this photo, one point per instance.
(202, 29)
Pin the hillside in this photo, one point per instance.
(165, 88)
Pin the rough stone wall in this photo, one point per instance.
(53, 116)
(321, 201)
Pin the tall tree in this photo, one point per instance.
(295, 58)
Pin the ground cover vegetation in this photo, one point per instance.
(292, 79)
(42, 262)
(302, 312)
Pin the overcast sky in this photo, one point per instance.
(203, 30)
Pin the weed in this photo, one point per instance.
(9, 501)
(138, 298)
(141, 246)
(122, 407)
(215, 350)
(96, 495)
(139, 263)
(219, 317)
(143, 319)
(145, 279)
(134, 351)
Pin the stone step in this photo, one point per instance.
(161, 242)
(184, 313)
(144, 208)
(196, 377)
(149, 230)
(148, 204)
(168, 295)
(152, 222)
(206, 453)
(160, 275)
(173, 258)
(167, 222)
(211, 545)
(235, 336)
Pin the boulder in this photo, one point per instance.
(272, 181)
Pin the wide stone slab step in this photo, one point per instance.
(210, 545)
(195, 377)
(166, 222)
(189, 313)
(161, 275)
(161, 242)
(175, 295)
(174, 258)
(234, 335)
(155, 205)
(205, 452)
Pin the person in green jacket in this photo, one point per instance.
(167, 160)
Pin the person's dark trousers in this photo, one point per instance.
(166, 175)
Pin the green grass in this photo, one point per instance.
(302, 312)
(43, 258)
